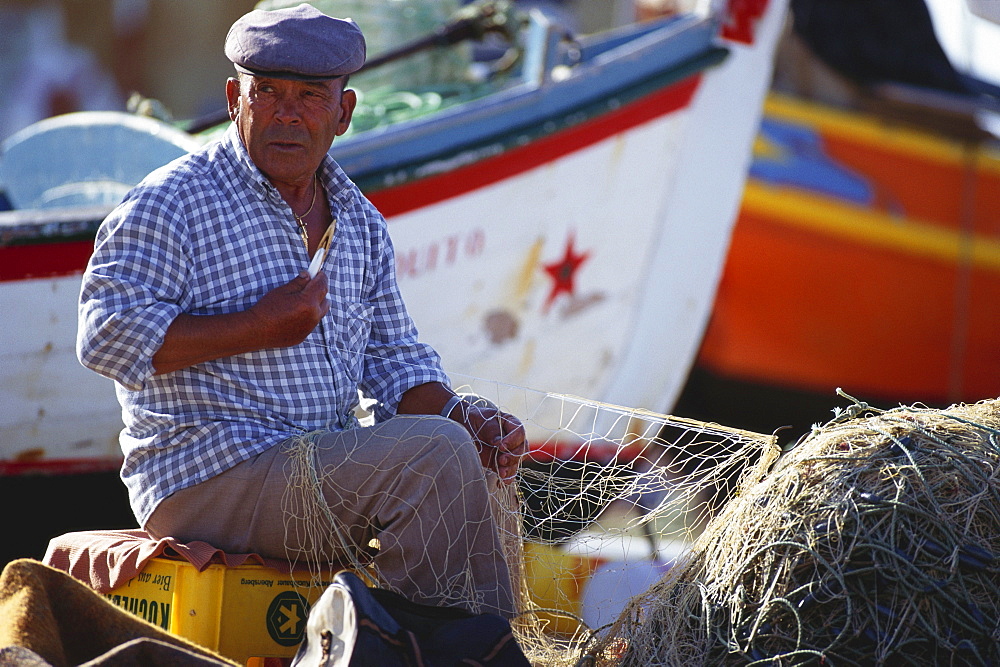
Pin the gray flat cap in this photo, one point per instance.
(295, 43)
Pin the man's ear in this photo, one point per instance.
(233, 96)
(348, 100)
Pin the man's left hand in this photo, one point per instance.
(499, 437)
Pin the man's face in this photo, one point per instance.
(288, 126)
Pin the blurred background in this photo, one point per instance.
(67, 55)
(72, 55)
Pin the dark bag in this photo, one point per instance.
(352, 625)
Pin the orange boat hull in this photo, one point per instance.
(866, 256)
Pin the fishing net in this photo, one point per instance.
(606, 501)
(873, 541)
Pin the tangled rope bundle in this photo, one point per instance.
(876, 540)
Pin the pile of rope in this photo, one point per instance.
(875, 540)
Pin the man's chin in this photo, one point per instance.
(288, 166)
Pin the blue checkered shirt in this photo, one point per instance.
(208, 234)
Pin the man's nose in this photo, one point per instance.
(288, 110)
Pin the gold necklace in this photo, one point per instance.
(298, 218)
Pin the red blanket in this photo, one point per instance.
(106, 559)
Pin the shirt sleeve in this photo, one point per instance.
(132, 289)
(395, 360)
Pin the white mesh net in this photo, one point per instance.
(606, 500)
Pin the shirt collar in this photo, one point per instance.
(245, 167)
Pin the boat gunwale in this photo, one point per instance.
(526, 104)
(373, 182)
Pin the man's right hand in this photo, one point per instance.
(287, 314)
(283, 317)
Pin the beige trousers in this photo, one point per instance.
(409, 496)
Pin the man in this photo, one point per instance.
(238, 373)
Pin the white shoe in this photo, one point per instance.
(331, 631)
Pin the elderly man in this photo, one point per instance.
(237, 369)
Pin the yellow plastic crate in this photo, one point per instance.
(556, 579)
(243, 613)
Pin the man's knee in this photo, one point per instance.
(458, 439)
(450, 450)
